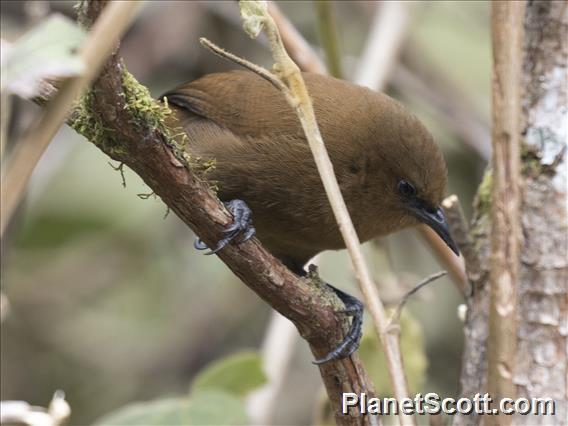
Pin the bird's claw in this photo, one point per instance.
(242, 225)
(353, 308)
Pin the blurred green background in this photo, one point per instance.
(108, 299)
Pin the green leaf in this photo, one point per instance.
(217, 408)
(205, 408)
(236, 374)
(47, 51)
(413, 353)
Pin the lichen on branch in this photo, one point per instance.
(146, 113)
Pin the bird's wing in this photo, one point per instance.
(239, 101)
(261, 155)
(237, 118)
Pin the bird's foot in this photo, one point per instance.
(354, 309)
(242, 225)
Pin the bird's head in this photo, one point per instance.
(412, 171)
(425, 211)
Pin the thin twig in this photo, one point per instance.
(379, 58)
(328, 35)
(98, 46)
(298, 48)
(507, 27)
(454, 264)
(395, 317)
(388, 30)
(278, 347)
(4, 307)
(119, 168)
(307, 59)
(6, 108)
(460, 233)
(277, 351)
(257, 18)
(263, 72)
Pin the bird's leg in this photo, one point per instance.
(353, 308)
(242, 225)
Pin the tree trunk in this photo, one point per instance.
(542, 292)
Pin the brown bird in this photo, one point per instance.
(390, 171)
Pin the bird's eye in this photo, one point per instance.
(406, 189)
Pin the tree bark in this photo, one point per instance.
(543, 287)
(542, 310)
(507, 33)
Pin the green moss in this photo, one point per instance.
(146, 111)
(531, 164)
(147, 114)
(85, 122)
(483, 197)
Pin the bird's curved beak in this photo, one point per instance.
(436, 220)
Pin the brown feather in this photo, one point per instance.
(262, 157)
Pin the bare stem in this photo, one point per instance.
(374, 71)
(454, 264)
(263, 72)
(297, 96)
(299, 49)
(507, 27)
(380, 55)
(460, 232)
(102, 40)
(277, 351)
(328, 35)
(431, 278)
